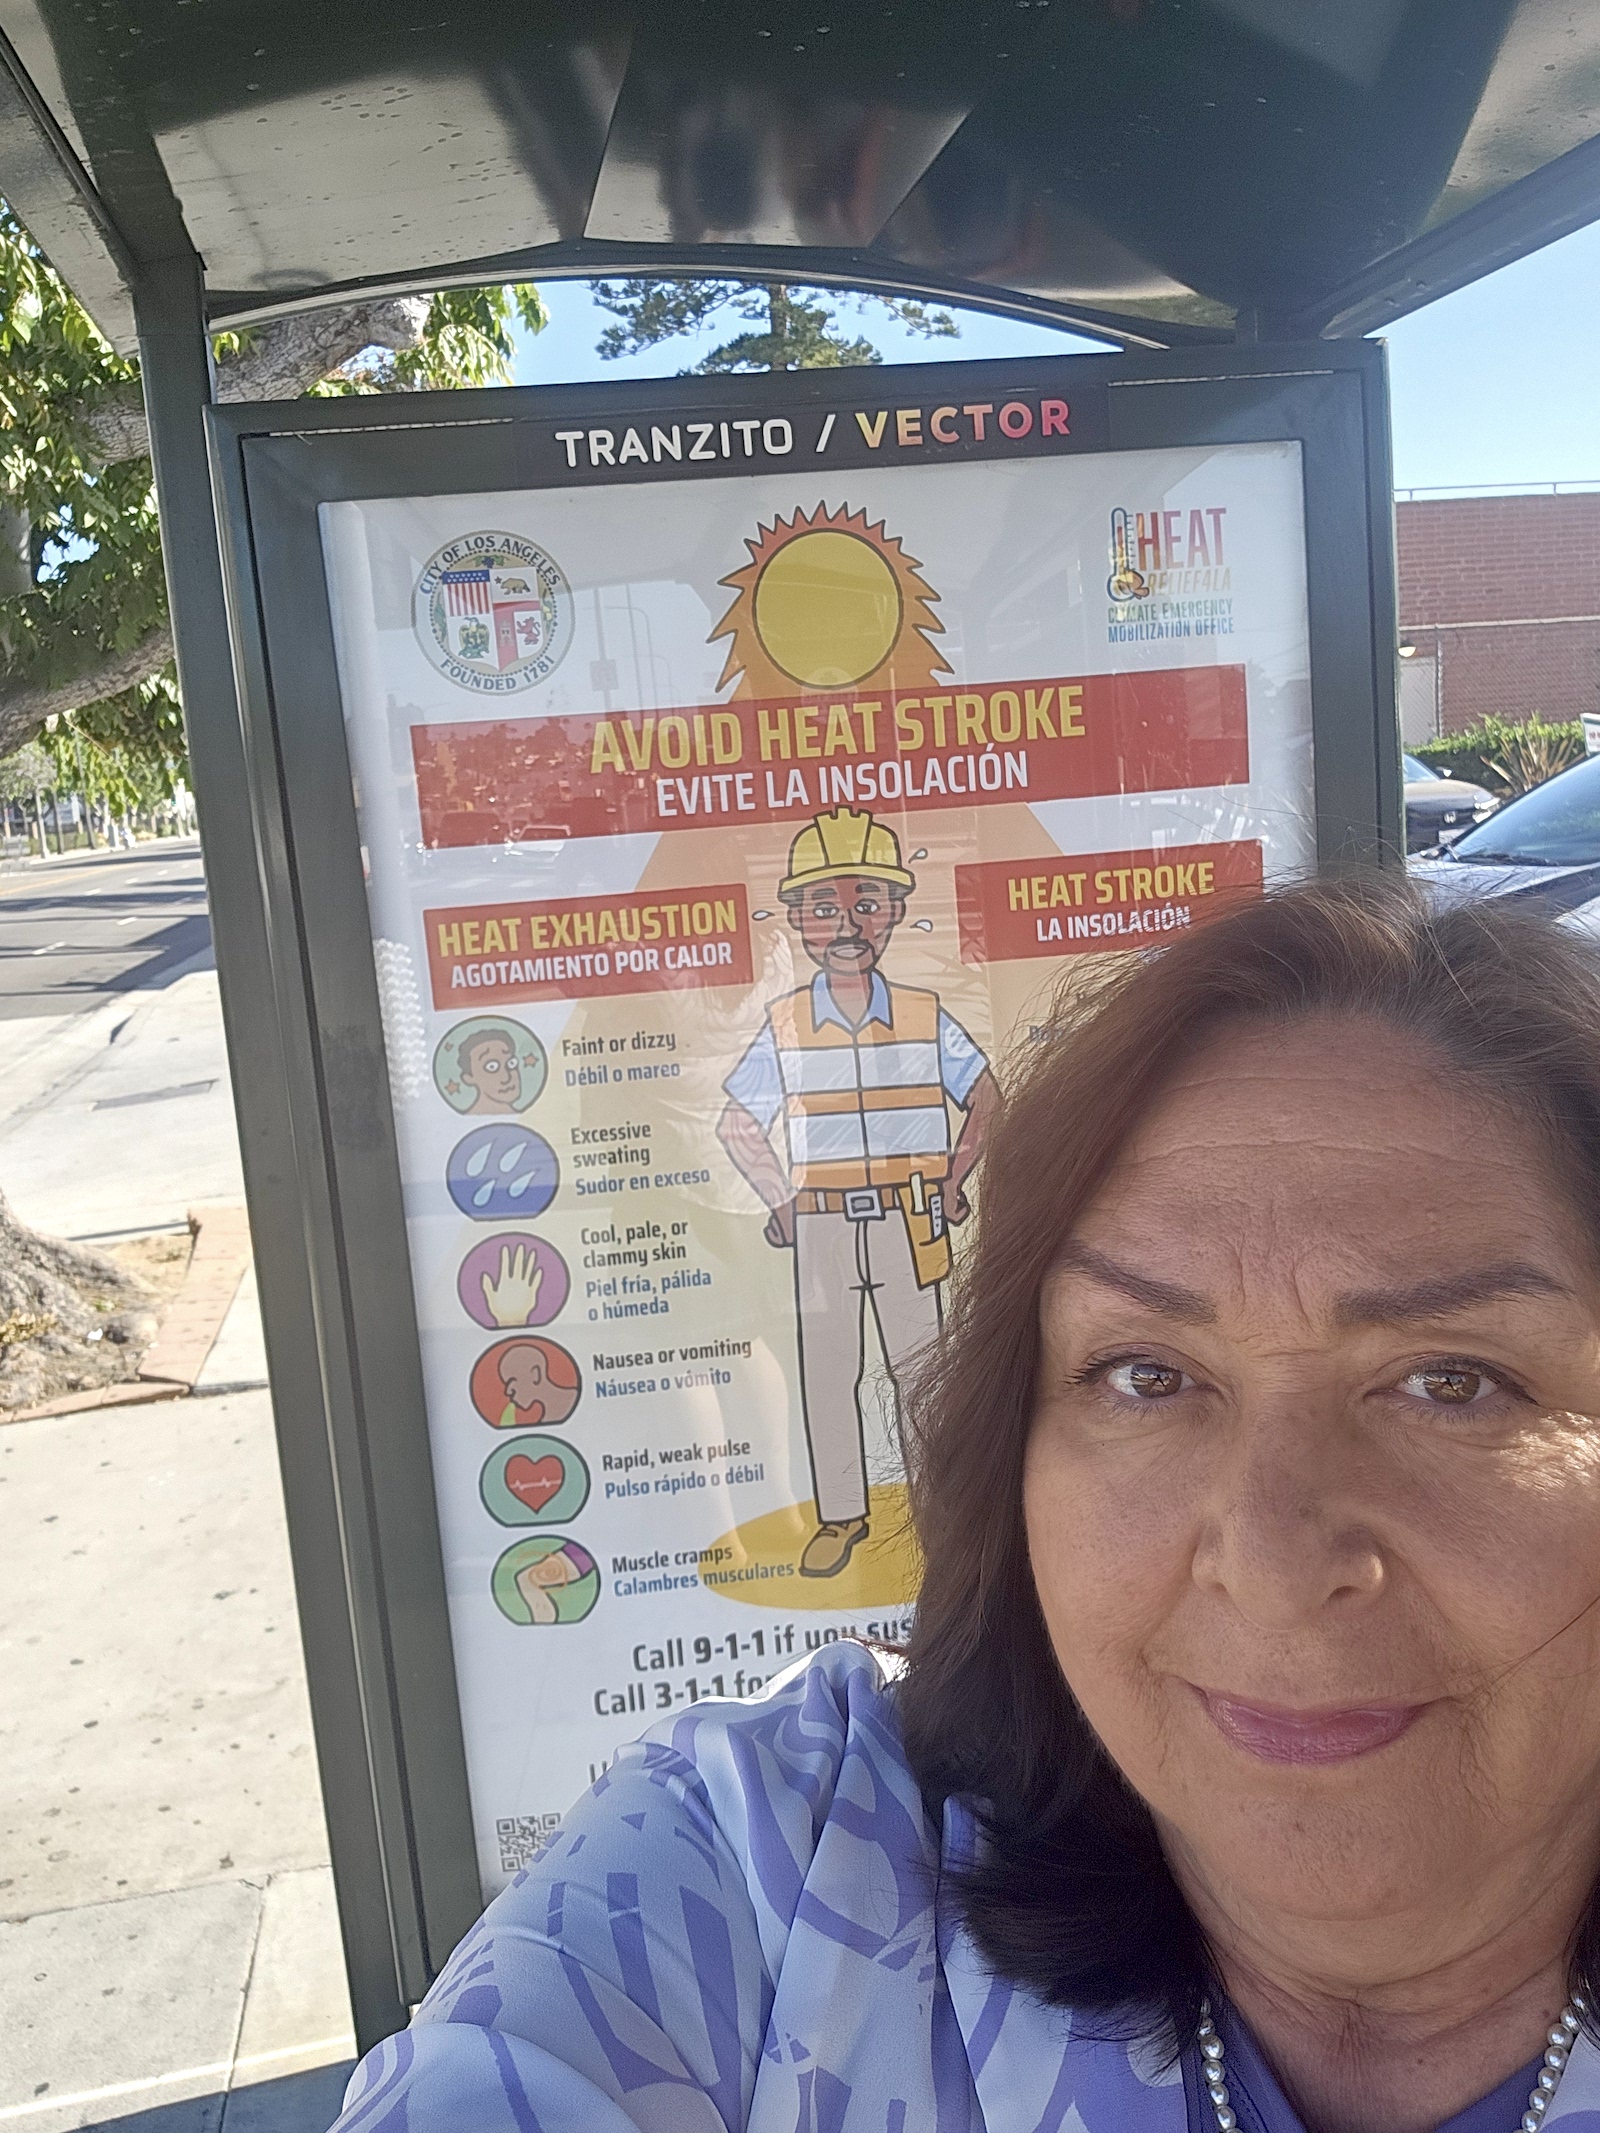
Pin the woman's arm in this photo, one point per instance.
(618, 1985)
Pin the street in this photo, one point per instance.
(78, 931)
(116, 1114)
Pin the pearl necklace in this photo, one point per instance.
(1558, 2046)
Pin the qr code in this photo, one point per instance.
(522, 1838)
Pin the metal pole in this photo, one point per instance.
(262, 1046)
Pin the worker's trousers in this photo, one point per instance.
(848, 1272)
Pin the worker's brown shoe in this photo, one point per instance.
(831, 1547)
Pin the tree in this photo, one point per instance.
(85, 646)
(794, 329)
(28, 771)
(83, 612)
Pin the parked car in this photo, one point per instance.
(1439, 807)
(1543, 846)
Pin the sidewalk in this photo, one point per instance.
(119, 1119)
(169, 1956)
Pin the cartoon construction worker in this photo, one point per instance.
(863, 1073)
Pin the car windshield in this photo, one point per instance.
(1416, 768)
(1557, 824)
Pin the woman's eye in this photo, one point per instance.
(1145, 1380)
(1450, 1384)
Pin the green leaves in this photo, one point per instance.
(1509, 756)
(798, 331)
(468, 340)
(90, 585)
(30, 770)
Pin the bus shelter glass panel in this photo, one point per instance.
(723, 839)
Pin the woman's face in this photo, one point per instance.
(1313, 1487)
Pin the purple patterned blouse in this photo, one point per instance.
(736, 1931)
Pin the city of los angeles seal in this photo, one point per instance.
(493, 613)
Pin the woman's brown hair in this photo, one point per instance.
(1071, 1895)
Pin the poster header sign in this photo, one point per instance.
(777, 760)
(735, 792)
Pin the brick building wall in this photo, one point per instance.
(1504, 592)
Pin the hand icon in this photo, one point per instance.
(780, 1225)
(512, 1299)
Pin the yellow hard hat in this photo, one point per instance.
(840, 844)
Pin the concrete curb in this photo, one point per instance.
(128, 1393)
(194, 1317)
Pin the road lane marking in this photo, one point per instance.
(337, 2047)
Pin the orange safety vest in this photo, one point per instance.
(864, 1106)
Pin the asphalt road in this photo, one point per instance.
(78, 931)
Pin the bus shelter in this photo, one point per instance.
(540, 738)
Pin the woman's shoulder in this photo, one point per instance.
(759, 1780)
(798, 1734)
(634, 1966)
(737, 1799)
(714, 1836)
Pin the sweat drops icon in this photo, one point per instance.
(501, 1170)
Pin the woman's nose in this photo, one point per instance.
(1282, 1537)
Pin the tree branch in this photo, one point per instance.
(281, 360)
(24, 706)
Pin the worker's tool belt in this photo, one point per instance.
(862, 1203)
(919, 1204)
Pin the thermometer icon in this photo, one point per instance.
(1124, 582)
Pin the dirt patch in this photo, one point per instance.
(79, 1320)
(160, 1261)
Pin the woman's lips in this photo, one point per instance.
(1327, 1736)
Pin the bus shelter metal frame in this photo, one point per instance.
(256, 658)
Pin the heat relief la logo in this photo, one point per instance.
(1171, 573)
(493, 613)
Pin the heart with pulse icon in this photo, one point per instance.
(534, 1481)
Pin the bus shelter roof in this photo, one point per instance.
(1153, 171)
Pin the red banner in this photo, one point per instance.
(589, 947)
(1090, 902)
(513, 781)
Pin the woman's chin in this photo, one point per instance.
(1351, 1836)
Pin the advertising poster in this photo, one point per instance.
(724, 834)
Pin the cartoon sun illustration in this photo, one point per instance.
(828, 602)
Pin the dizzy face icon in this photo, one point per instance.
(490, 1067)
(501, 1170)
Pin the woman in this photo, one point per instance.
(1245, 1770)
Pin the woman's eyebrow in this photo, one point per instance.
(1446, 1293)
(1166, 1296)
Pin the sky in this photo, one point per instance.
(1498, 384)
